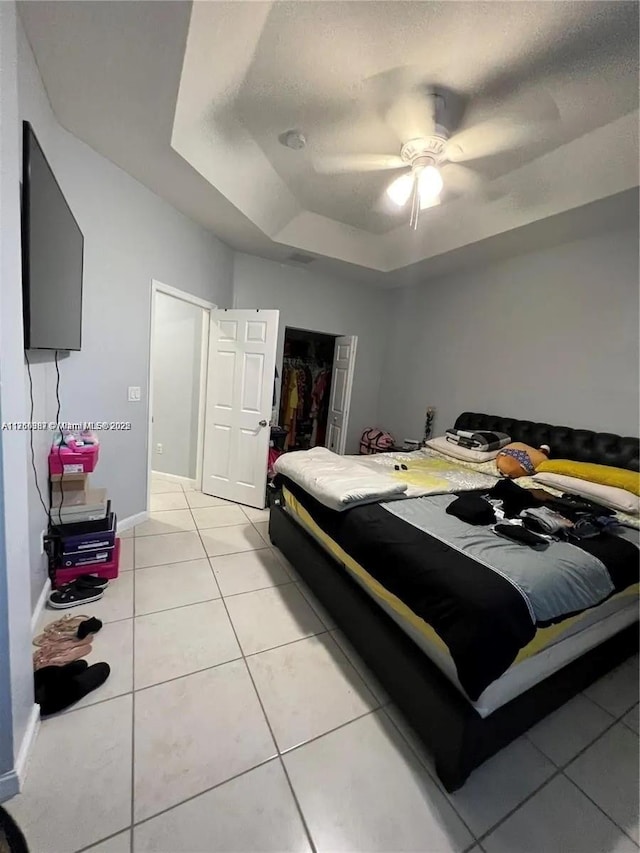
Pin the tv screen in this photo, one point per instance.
(52, 248)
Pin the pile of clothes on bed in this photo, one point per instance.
(533, 517)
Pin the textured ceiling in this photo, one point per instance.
(329, 69)
(191, 100)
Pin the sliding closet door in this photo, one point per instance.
(242, 361)
(344, 359)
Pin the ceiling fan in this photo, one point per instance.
(430, 155)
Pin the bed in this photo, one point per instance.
(465, 711)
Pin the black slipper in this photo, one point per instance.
(64, 692)
(72, 595)
(51, 673)
(92, 581)
(89, 626)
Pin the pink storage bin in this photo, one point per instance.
(82, 460)
(103, 570)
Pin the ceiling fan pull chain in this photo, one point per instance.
(415, 206)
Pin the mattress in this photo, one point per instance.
(551, 647)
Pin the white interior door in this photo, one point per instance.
(242, 362)
(344, 359)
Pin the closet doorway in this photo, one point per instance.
(177, 376)
(315, 390)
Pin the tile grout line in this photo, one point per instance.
(565, 766)
(598, 806)
(614, 721)
(191, 559)
(558, 772)
(428, 770)
(199, 794)
(133, 691)
(204, 669)
(555, 775)
(128, 828)
(275, 757)
(266, 719)
(281, 753)
(93, 844)
(331, 731)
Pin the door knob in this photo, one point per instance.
(262, 423)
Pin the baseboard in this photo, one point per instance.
(176, 478)
(42, 600)
(9, 785)
(28, 741)
(132, 521)
(12, 781)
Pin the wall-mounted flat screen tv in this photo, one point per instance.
(52, 253)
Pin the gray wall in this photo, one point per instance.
(309, 300)
(131, 237)
(177, 356)
(17, 709)
(549, 336)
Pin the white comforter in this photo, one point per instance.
(338, 482)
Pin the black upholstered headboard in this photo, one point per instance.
(582, 445)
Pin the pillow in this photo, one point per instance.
(448, 448)
(605, 475)
(610, 496)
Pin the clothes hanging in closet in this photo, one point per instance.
(319, 406)
(290, 405)
(304, 403)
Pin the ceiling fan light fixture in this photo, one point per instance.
(429, 185)
(400, 189)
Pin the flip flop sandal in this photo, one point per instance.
(59, 657)
(59, 645)
(73, 596)
(66, 626)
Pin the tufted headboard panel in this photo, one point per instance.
(582, 445)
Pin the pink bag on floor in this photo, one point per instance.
(274, 453)
(375, 440)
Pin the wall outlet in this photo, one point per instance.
(159, 448)
(134, 393)
(43, 533)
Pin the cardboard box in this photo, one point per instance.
(69, 482)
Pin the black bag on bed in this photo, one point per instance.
(483, 440)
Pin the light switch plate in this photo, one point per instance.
(133, 394)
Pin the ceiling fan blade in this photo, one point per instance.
(524, 118)
(495, 136)
(339, 164)
(462, 180)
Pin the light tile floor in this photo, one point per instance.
(238, 718)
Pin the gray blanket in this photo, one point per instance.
(561, 579)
